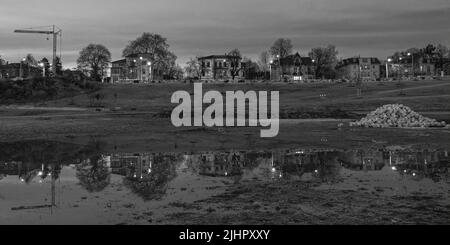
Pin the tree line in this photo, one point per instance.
(325, 60)
(95, 58)
(439, 54)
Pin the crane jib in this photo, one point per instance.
(55, 32)
(32, 31)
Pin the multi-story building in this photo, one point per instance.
(135, 68)
(19, 70)
(417, 67)
(294, 67)
(366, 69)
(221, 67)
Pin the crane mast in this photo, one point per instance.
(55, 31)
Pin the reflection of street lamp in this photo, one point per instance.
(41, 64)
(270, 68)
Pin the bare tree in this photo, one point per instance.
(325, 59)
(442, 51)
(176, 72)
(235, 60)
(264, 61)
(281, 47)
(193, 68)
(30, 60)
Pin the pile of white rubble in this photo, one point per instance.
(396, 116)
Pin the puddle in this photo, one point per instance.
(61, 183)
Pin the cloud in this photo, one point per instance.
(200, 27)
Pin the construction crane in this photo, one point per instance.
(53, 30)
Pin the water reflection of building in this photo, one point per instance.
(27, 171)
(10, 168)
(130, 165)
(217, 163)
(317, 163)
(424, 163)
(365, 159)
(140, 165)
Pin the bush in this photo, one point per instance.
(41, 89)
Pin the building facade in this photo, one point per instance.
(366, 69)
(221, 67)
(19, 70)
(417, 67)
(293, 67)
(135, 68)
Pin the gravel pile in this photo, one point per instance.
(396, 116)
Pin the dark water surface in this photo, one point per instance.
(46, 182)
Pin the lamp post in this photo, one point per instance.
(21, 68)
(314, 67)
(140, 68)
(387, 68)
(281, 68)
(136, 66)
(412, 63)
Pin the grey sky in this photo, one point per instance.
(200, 27)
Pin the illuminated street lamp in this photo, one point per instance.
(135, 63)
(140, 68)
(387, 67)
(279, 64)
(400, 68)
(412, 63)
(314, 65)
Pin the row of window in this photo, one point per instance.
(219, 64)
(365, 67)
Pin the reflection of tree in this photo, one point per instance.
(93, 175)
(323, 165)
(251, 160)
(328, 166)
(153, 185)
(27, 177)
(2, 176)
